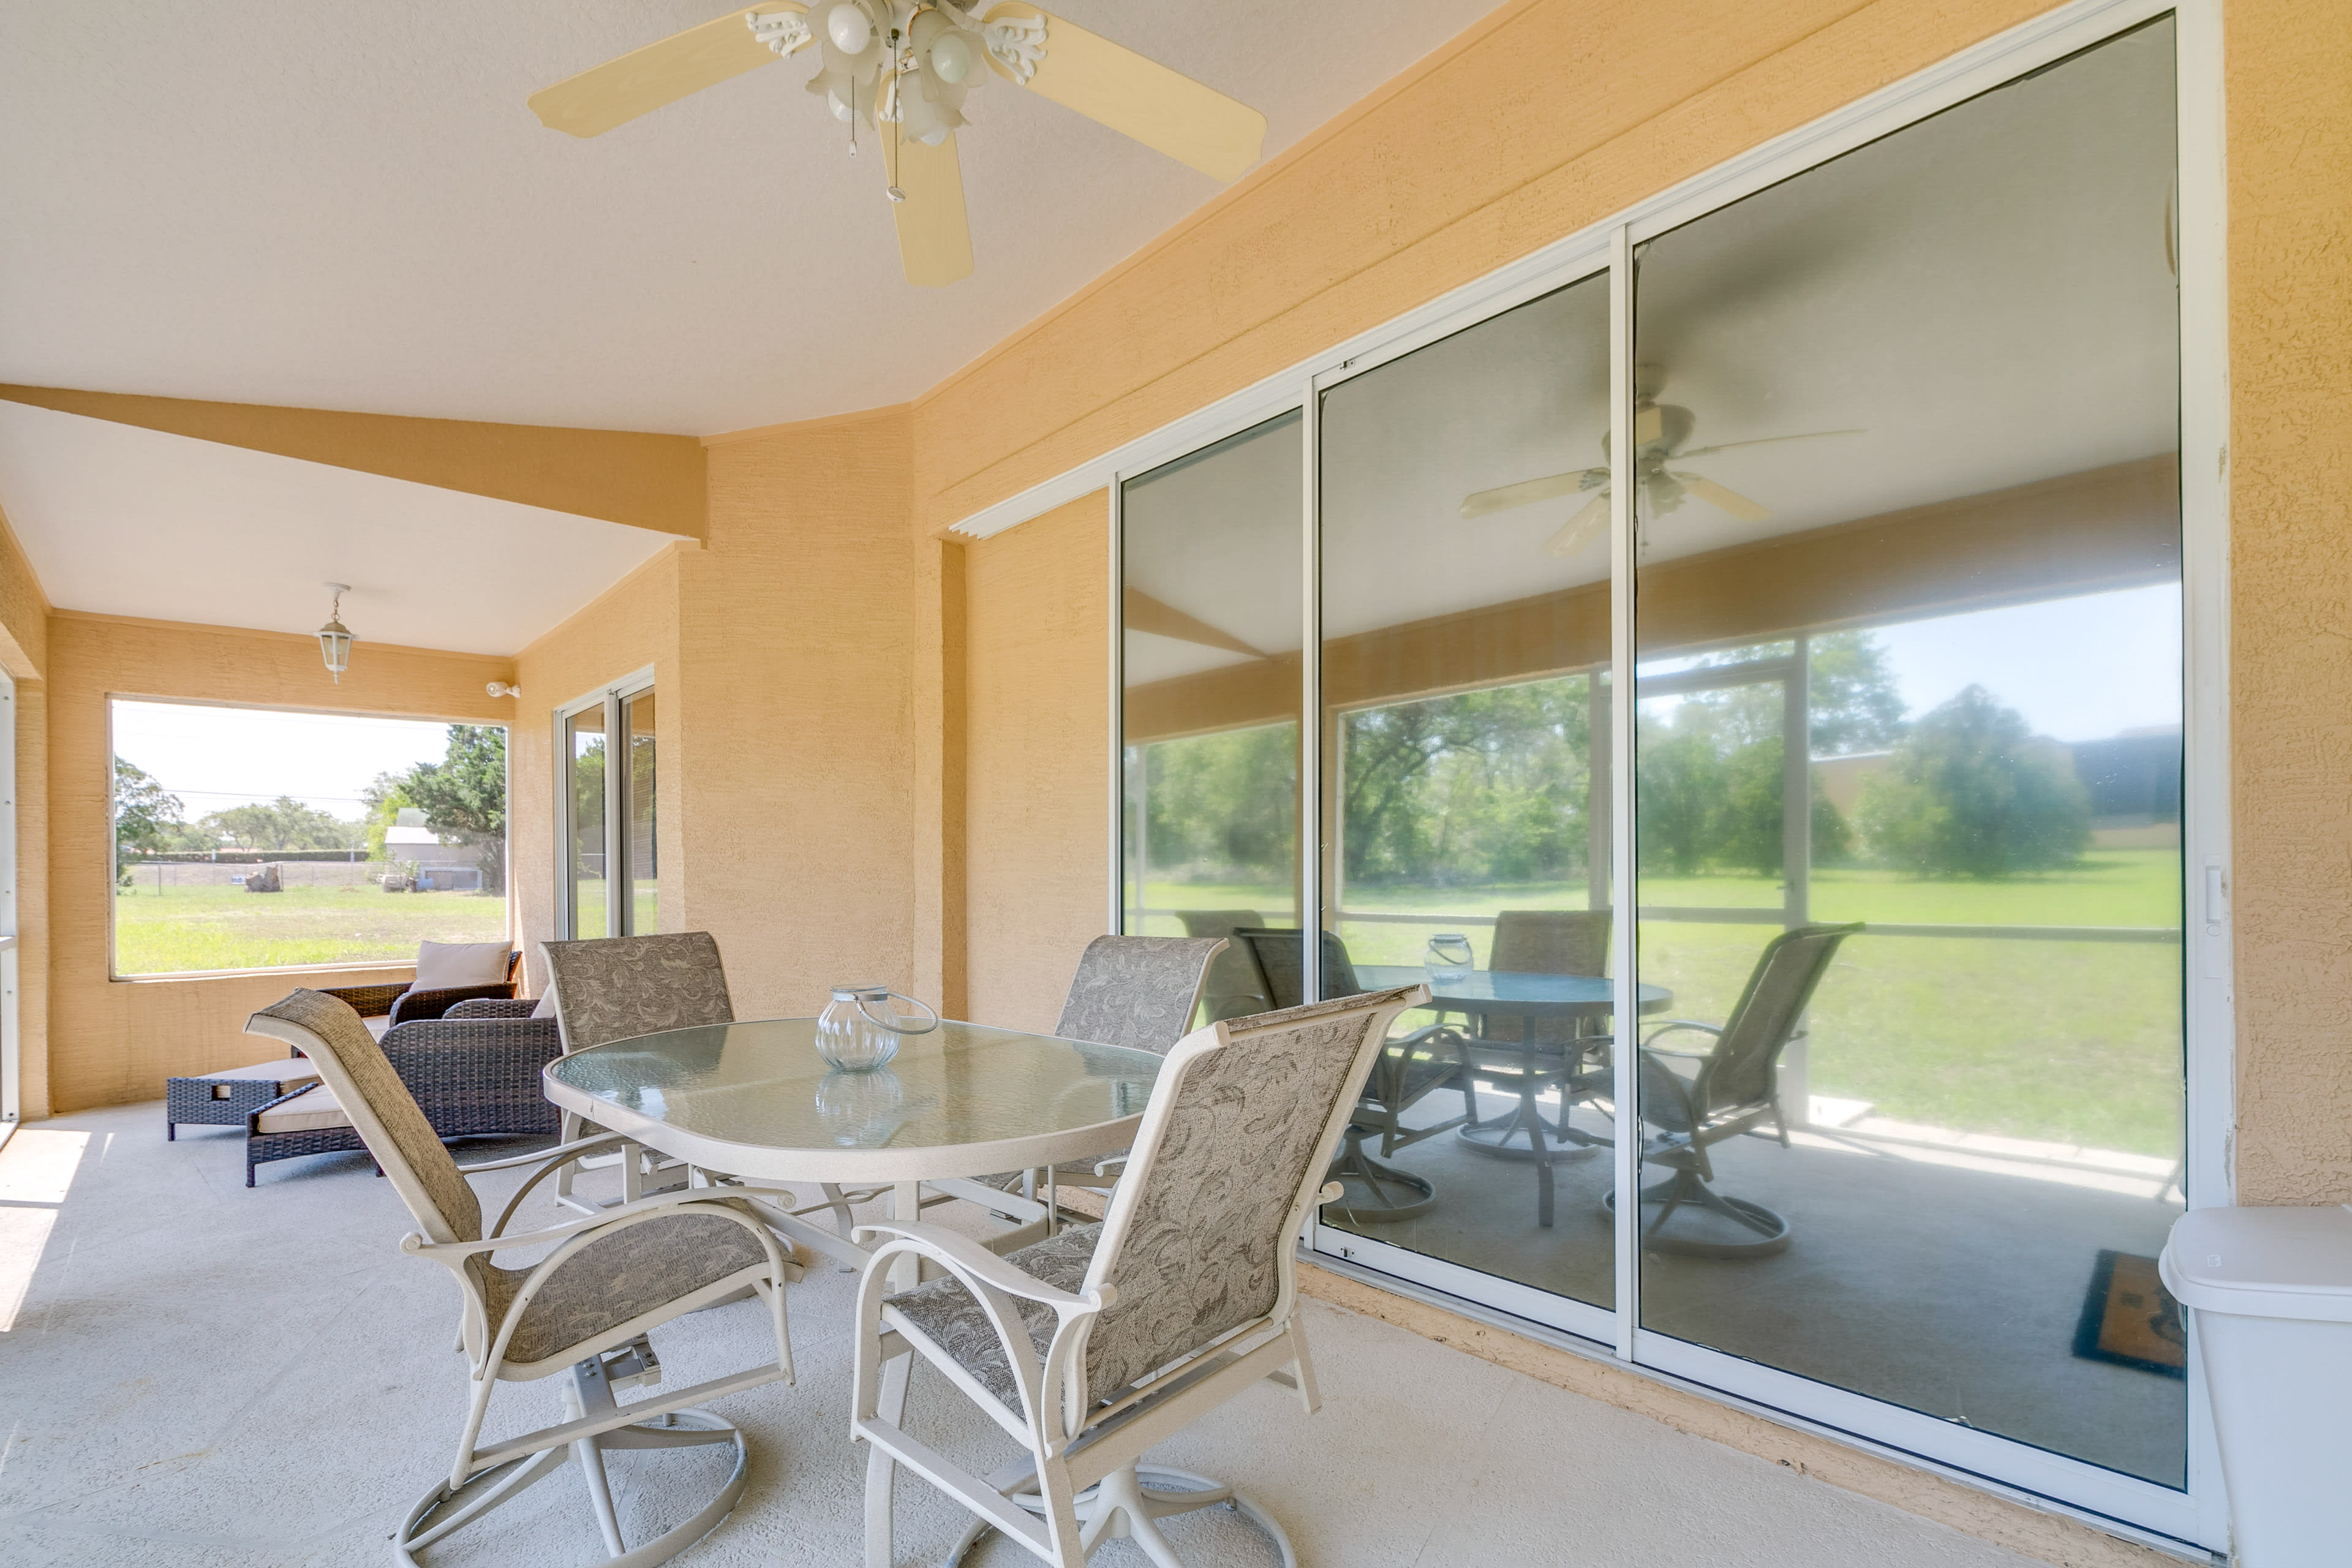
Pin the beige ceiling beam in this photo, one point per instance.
(628, 476)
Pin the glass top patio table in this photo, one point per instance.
(1513, 993)
(754, 1100)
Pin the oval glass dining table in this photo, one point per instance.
(754, 1100)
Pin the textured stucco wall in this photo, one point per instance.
(25, 653)
(1037, 778)
(2289, 67)
(797, 648)
(114, 1042)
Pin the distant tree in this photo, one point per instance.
(1851, 696)
(1972, 792)
(380, 803)
(281, 825)
(148, 819)
(1750, 831)
(464, 795)
(1679, 779)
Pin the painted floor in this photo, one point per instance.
(200, 1375)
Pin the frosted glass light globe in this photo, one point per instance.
(952, 58)
(850, 29)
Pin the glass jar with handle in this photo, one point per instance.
(858, 1030)
(1449, 959)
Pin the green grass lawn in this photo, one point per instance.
(2069, 1041)
(200, 928)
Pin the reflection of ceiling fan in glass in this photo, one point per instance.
(1660, 430)
(902, 68)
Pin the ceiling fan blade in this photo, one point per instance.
(1526, 492)
(644, 79)
(1589, 523)
(1164, 109)
(1763, 441)
(934, 238)
(1729, 500)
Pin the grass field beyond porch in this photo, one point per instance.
(180, 929)
(2073, 1042)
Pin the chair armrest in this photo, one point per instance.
(413, 1005)
(1670, 1026)
(367, 1001)
(975, 1264)
(490, 1007)
(709, 1197)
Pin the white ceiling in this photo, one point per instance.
(134, 523)
(1985, 296)
(349, 206)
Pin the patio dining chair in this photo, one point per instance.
(1692, 1100)
(1090, 1348)
(1134, 991)
(1409, 1070)
(617, 988)
(586, 1306)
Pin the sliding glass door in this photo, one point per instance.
(1862, 486)
(1907, 600)
(608, 851)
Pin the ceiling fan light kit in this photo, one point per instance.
(902, 68)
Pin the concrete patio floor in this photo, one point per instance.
(195, 1374)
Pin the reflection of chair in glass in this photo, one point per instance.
(1527, 1054)
(1412, 1068)
(1235, 988)
(1691, 1101)
(1089, 1349)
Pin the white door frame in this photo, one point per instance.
(614, 699)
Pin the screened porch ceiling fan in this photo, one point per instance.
(902, 68)
(1660, 430)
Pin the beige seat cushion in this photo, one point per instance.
(944, 1312)
(635, 1269)
(287, 1070)
(306, 1112)
(460, 965)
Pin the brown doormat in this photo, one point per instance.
(2130, 1319)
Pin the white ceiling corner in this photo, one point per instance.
(122, 520)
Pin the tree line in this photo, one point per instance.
(463, 797)
(1496, 785)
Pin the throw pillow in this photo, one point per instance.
(458, 965)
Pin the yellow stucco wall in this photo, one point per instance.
(25, 654)
(1037, 776)
(2290, 160)
(112, 1041)
(797, 637)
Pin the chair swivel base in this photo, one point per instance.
(1684, 1189)
(1132, 1503)
(446, 1510)
(1377, 1193)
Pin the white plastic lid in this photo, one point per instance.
(2263, 1262)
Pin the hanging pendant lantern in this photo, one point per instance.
(334, 638)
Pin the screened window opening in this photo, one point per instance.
(246, 838)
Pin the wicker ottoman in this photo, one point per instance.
(226, 1098)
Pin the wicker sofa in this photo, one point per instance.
(404, 1004)
(473, 1068)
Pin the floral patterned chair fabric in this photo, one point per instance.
(586, 1304)
(614, 988)
(1185, 1290)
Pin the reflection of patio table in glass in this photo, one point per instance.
(1488, 994)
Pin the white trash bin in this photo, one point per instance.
(2271, 1291)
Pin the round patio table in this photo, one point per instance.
(1503, 993)
(754, 1100)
